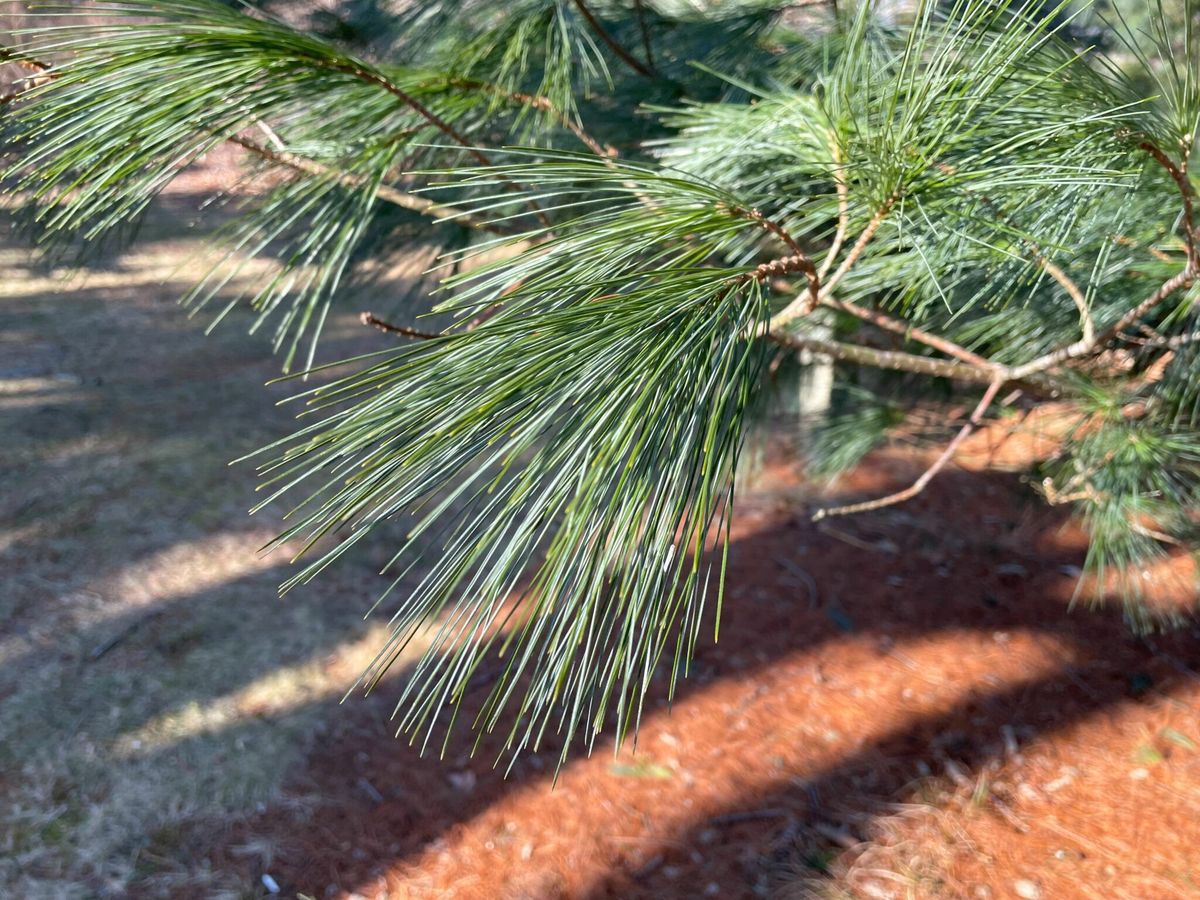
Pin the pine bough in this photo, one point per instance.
(670, 195)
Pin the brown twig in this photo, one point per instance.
(891, 360)
(384, 192)
(1161, 342)
(1072, 289)
(1079, 349)
(647, 47)
(798, 260)
(1178, 173)
(801, 305)
(929, 474)
(282, 157)
(1182, 280)
(364, 74)
(538, 102)
(388, 328)
(819, 293)
(904, 329)
(613, 44)
(371, 77)
(860, 245)
(1125, 241)
(822, 293)
(606, 153)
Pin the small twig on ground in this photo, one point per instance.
(753, 815)
(102, 649)
(809, 583)
(884, 546)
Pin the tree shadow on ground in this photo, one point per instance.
(968, 562)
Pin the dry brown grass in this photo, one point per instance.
(149, 676)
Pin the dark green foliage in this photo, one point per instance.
(670, 193)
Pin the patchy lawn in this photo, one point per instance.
(149, 674)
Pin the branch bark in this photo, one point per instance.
(538, 102)
(892, 360)
(895, 326)
(1178, 173)
(799, 259)
(1080, 349)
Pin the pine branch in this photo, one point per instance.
(803, 306)
(843, 195)
(910, 332)
(975, 420)
(542, 104)
(1160, 342)
(821, 294)
(1179, 175)
(890, 360)
(371, 77)
(860, 245)
(798, 259)
(1045, 263)
(385, 192)
(613, 44)
(1182, 280)
(1073, 291)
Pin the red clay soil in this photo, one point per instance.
(904, 706)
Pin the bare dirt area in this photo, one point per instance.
(900, 705)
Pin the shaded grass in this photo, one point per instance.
(139, 619)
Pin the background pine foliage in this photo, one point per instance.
(668, 195)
